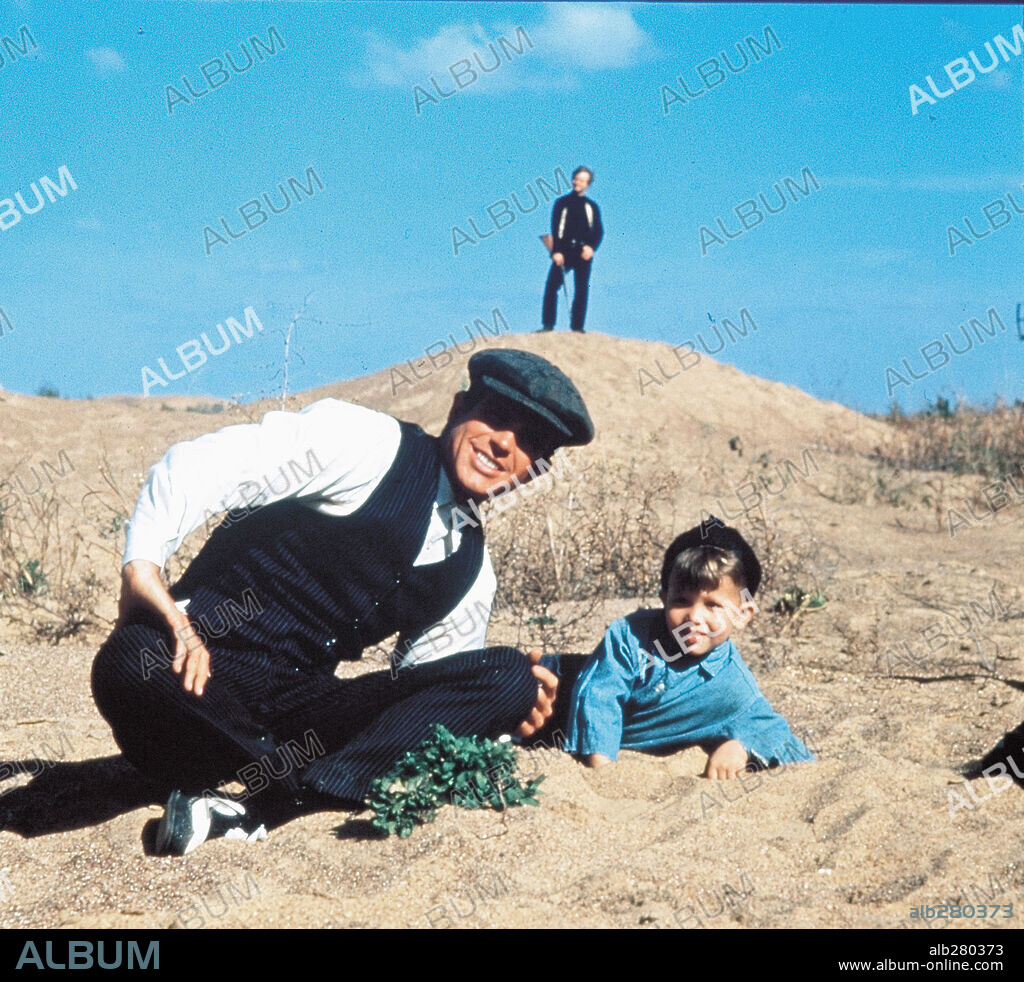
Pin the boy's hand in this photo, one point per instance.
(727, 761)
(546, 692)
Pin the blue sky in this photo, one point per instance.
(847, 280)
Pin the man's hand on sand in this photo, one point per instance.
(558, 259)
(546, 692)
(727, 761)
(142, 589)
(586, 253)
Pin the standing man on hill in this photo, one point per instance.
(576, 232)
(229, 674)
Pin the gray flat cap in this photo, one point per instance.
(537, 385)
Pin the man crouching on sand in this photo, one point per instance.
(375, 542)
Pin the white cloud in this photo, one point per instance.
(572, 36)
(961, 32)
(393, 65)
(999, 79)
(106, 61)
(593, 35)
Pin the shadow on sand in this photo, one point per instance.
(66, 795)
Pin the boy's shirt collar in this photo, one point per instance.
(715, 660)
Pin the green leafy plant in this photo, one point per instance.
(32, 580)
(444, 769)
(942, 408)
(794, 600)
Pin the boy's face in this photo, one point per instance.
(703, 619)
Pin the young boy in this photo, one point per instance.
(668, 678)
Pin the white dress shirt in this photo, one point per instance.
(331, 456)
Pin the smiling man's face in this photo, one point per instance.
(491, 443)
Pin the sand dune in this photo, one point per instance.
(856, 839)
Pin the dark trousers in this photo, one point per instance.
(334, 737)
(581, 271)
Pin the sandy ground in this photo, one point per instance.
(855, 840)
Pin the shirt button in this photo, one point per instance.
(660, 687)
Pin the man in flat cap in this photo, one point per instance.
(229, 674)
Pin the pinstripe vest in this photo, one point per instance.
(313, 589)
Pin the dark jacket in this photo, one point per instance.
(575, 220)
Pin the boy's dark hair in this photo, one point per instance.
(583, 169)
(701, 556)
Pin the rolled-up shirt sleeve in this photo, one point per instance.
(766, 736)
(332, 450)
(600, 696)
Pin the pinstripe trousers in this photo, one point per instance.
(236, 729)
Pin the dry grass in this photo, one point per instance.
(599, 535)
(594, 535)
(589, 534)
(961, 439)
(47, 560)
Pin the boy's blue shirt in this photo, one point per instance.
(625, 698)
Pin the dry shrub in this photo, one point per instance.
(797, 568)
(961, 439)
(48, 548)
(849, 485)
(38, 562)
(598, 534)
(794, 557)
(592, 534)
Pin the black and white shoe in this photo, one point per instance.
(189, 820)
